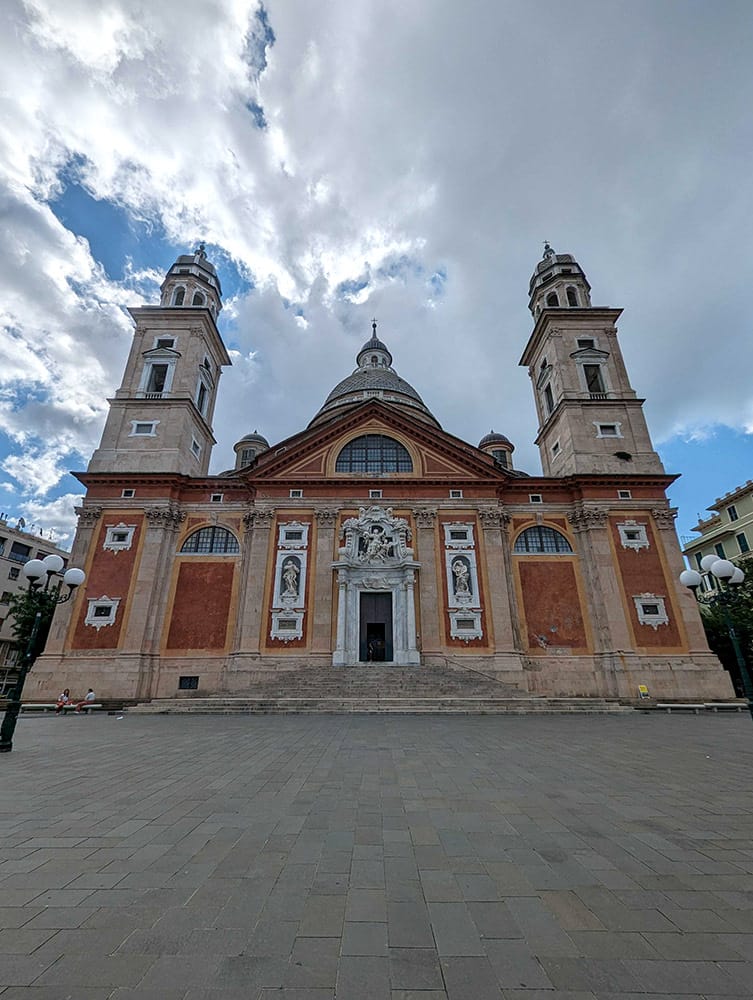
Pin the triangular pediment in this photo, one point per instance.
(435, 454)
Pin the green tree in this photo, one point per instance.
(737, 601)
(24, 608)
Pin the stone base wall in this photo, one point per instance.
(698, 677)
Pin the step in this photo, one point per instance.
(382, 705)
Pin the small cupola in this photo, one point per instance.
(499, 447)
(192, 282)
(248, 448)
(374, 354)
(558, 282)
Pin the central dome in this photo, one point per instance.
(374, 378)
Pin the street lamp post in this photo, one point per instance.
(40, 574)
(728, 576)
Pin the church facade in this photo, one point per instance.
(373, 535)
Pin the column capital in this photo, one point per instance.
(425, 516)
(88, 515)
(584, 518)
(259, 518)
(168, 516)
(325, 517)
(494, 517)
(664, 517)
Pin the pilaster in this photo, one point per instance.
(320, 595)
(428, 582)
(499, 578)
(251, 622)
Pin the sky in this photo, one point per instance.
(403, 159)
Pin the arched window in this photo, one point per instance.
(552, 299)
(572, 296)
(215, 540)
(198, 299)
(373, 453)
(541, 539)
(180, 294)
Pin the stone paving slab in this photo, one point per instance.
(377, 858)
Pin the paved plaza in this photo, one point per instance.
(377, 858)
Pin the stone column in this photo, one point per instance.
(603, 596)
(499, 595)
(146, 621)
(684, 600)
(339, 658)
(88, 519)
(429, 584)
(252, 627)
(320, 595)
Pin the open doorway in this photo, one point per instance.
(375, 645)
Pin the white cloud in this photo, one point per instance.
(401, 140)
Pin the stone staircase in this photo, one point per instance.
(379, 689)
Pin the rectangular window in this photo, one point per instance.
(296, 494)
(742, 542)
(719, 549)
(143, 428)
(461, 623)
(594, 380)
(293, 535)
(287, 624)
(459, 536)
(188, 683)
(216, 497)
(157, 378)
(624, 495)
(13, 573)
(2, 545)
(375, 494)
(164, 342)
(5, 597)
(535, 498)
(607, 430)
(128, 494)
(201, 398)
(555, 449)
(732, 511)
(456, 494)
(19, 553)
(698, 558)
(650, 609)
(195, 448)
(548, 398)
(586, 343)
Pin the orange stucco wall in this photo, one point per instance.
(108, 574)
(550, 599)
(201, 606)
(642, 572)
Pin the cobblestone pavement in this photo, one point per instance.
(377, 858)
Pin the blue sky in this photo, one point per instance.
(340, 164)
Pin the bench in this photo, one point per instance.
(676, 706)
(40, 706)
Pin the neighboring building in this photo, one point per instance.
(728, 533)
(373, 534)
(17, 546)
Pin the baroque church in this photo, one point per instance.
(373, 535)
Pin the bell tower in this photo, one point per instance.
(160, 419)
(590, 419)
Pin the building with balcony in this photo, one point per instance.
(728, 532)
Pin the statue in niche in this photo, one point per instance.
(462, 581)
(376, 546)
(290, 573)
